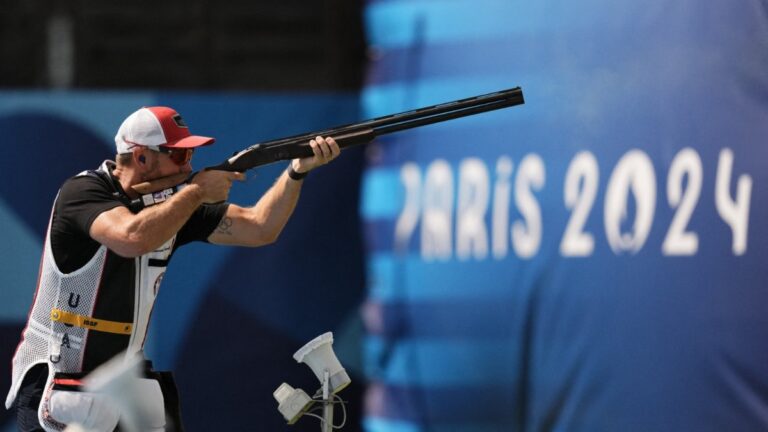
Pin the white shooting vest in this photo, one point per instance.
(61, 317)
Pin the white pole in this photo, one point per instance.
(327, 403)
(61, 51)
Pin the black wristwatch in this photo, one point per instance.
(294, 175)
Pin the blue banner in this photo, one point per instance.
(591, 260)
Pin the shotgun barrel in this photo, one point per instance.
(364, 132)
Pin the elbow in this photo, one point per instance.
(133, 246)
(264, 239)
(131, 250)
(263, 233)
(126, 251)
(268, 240)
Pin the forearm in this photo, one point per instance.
(273, 210)
(271, 213)
(132, 235)
(157, 224)
(262, 224)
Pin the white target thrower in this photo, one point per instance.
(319, 356)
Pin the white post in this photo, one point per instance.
(327, 403)
(61, 51)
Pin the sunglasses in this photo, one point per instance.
(179, 156)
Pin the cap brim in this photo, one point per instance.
(191, 142)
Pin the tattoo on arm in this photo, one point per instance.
(225, 226)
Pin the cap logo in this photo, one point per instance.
(179, 121)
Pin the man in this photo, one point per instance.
(104, 259)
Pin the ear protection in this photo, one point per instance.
(142, 159)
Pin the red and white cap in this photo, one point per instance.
(156, 126)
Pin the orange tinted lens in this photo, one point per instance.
(181, 156)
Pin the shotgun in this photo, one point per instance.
(362, 133)
(297, 146)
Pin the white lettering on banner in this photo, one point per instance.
(579, 195)
(410, 175)
(472, 205)
(436, 242)
(633, 173)
(679, 241)
(734, 213)
(429, 205)
(501, 196)
(526, 237)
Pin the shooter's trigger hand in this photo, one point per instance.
(215, 184)
(160, 183)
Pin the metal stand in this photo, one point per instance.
(327, 403)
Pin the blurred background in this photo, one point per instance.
(589, 261)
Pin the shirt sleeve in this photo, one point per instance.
(202, 223)
(82, 199)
